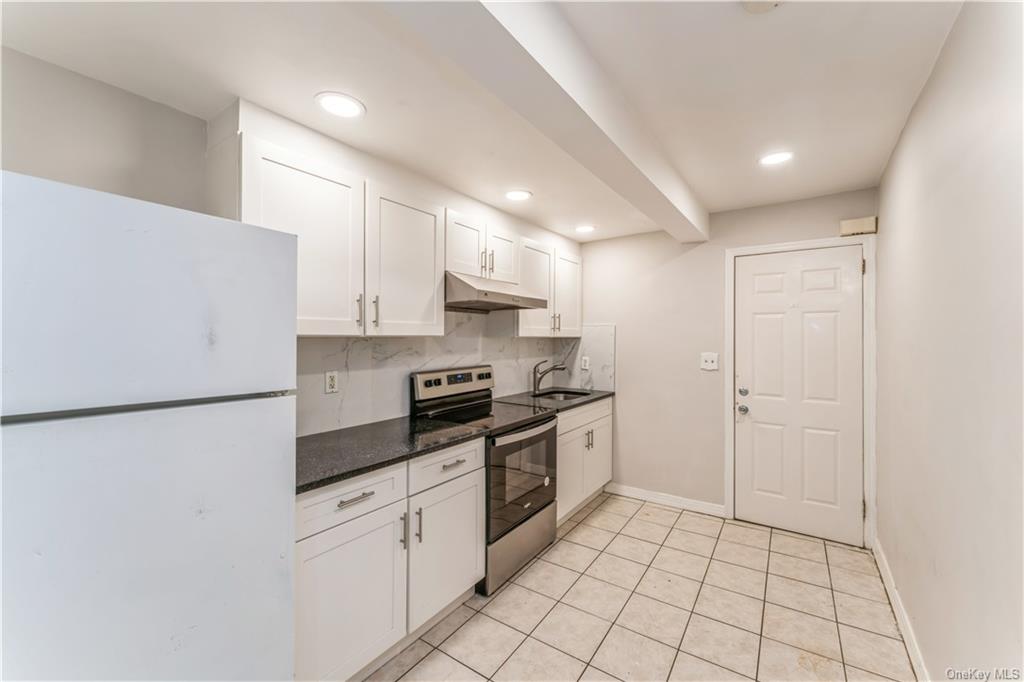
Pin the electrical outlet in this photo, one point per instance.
(331, 382)
(709, 362)
(585, 362)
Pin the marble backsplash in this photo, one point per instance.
(373, 373)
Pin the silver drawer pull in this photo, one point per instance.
(450, 465)
(355, 500)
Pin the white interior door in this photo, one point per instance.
(537, 263)
(404, 264)
(799, 380)
(322, 205)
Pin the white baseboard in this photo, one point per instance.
(665, 498)
(900, 612)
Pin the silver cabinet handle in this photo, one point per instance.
(552, 323)
(491, 267)
(376, 311)
(451, 465)
(355, 500)
(483, 262)
(405, 531)
(743, 409)
(559, 316)
(359, 310)
(419, 533)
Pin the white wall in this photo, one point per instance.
(949, 350)
(667, 302)
(63, 126)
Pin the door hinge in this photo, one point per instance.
(863, 266)
(864, 509)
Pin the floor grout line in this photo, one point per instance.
(647, 569)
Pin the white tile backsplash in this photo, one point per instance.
(373, 373)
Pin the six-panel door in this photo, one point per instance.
(799, 392)
(323, 205)
(350, 602)
(404, 264)
(447, 544)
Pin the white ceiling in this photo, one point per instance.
(712, 87)
(422, 112)
(720, 87)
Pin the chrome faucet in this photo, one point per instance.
(538, 375)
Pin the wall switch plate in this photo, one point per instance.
(709, 362)
(331, 382)
(585, 362)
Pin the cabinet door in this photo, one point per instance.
(568, 297)
(448, 542)
(597, 464)
(465, 244)
(404, 264)
(569, 476)
(502, 254)
(323, 206)
(350, 594)
(537, 268)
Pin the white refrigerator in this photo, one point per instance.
(147, 427)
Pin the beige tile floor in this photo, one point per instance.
(639, 591)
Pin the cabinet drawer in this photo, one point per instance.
(581, 416)
(430, 470)
(325, 507)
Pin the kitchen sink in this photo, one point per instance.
(560, 394)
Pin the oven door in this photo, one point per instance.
(520, 475)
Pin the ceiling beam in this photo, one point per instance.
(528, 56)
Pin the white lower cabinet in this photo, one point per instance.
(390, 563)
(584, 454)
(569, 471)
(350, 597)
(447, 545)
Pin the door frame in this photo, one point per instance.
(869, 349)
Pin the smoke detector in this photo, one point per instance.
(759, 6)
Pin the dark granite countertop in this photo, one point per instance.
(325, 458)
(556, 405)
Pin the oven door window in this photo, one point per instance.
(521, 477)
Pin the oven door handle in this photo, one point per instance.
(519, 436)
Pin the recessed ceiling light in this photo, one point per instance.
(340, 104)
(776, 158)
(585, 228)
(518, 194)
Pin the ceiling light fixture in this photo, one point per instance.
(775, 158)
(518, 194)
(585, 228)
(340, 104)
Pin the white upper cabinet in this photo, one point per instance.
(476, 248)
(323, 205)
(568, 295)
(537, 263)
(405, 260)
(556, 276)
(466, 244)
(502, 254)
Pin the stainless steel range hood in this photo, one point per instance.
(470, 294)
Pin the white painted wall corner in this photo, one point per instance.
(902, 618)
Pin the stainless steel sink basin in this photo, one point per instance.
(561, 394)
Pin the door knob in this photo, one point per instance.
(743, 391)
(743, 409)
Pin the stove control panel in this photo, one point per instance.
(446, 382)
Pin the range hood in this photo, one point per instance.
(470, 294)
